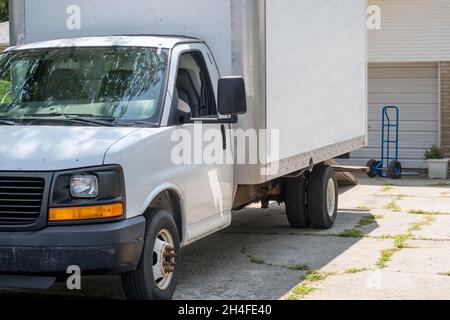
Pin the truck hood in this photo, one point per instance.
(36, 148)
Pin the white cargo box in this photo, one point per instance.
(304, 61)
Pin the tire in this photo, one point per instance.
(322, 197)
(395, 170)
(141, 284)
(373, 165)
(295, 203)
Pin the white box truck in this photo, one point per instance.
(111, 112)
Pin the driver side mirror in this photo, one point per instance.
(232, 97)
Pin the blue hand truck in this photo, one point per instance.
(389, 166)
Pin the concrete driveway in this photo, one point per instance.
(391, 241)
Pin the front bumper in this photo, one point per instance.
(100, 248)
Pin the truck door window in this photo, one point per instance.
(194, 86)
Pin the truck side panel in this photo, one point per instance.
(316, 77)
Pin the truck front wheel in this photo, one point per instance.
(157, 274)
(322, 197)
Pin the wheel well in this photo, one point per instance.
(169, 200)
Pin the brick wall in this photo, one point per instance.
(445, 106)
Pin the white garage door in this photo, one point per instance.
(414, 88)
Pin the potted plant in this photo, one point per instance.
(437, 165)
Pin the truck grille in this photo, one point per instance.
(20, 200)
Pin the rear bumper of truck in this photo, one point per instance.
(109, 248)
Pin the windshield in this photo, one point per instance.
(120, 84)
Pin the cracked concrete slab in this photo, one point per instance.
(383, 285)
(438, 230)
(392, 224)
(430, 257)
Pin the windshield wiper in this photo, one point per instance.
(143, 123)
(73, 117)
(8, 122)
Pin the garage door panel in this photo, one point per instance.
(408, 112)
(406, 71)
(400, 98)
(374, 153)
(412, 140)
(407, 85)
(402, 73)
(412, 126)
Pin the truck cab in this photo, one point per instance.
(89, 128)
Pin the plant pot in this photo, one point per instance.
(438, 169)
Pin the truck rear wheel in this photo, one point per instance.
(322, 197)
(157, 274)
(296, 204)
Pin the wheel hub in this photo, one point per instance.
(331, 197)
(164, 259)
(168, 259)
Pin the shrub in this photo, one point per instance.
(434, 153)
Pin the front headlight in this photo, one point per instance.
(87, 194)
(84, 186)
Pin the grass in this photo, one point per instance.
(255, 260)
(300, 291)
(364, 221)
(386, 257)
(351, 233)
(299, 267)
(427, 213)
(296, 267)
(355, 270)
(419, 225)
(400, 241)
(315, 276)
(392, 206)
(370, 219)
(252, 259)
(447, 274)
(387, 188)
(385, 236)
(415, 227)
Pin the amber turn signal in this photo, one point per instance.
(86, 213)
